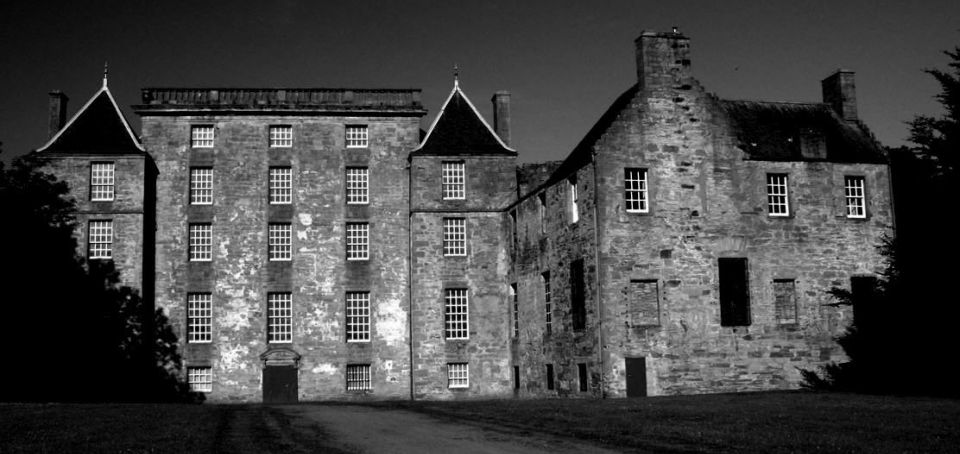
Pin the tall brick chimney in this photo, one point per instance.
(57, 114)
(501, 115)
(840, 92)
(663, 60)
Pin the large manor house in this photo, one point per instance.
(318, 244)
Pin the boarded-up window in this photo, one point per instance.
(734, 292)
(785, 300)
(578, 309)
(643, 307)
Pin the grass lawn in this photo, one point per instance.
(753, 422)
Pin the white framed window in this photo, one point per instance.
(542, 211)
(281, 136)
(453, 180)
(574, 200)
(454, 236)
(516, 310)
(635, 190)
(357, 136)
(358, 316)
(358, 377)
(358, 241)
(458, 375)
(101, 181)
(778, 200)
(456, 313)
(279, 318)
(200, 379)
(201, 136)
(358, 186)
(545, 277)
(201, 242)
(201, 186)
(100, 239)
(854, 192)
(279, 242)
(199, 317)
(280, 185)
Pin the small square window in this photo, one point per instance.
(281, 136)
(358, 377)
(454, 236)
(279, 318)
(201, 242)
(101, 181)
(200, 379)
(453, 180)
(855, 195)
(280, 186)
(635, 190)
(458, 375)
(279, 242)
(358, 316)
(201, 186)
(358, 241)
(201, 136)
(199, 317)
(778, 201)
(357, 136)
(100, 239)
(358, 186)
(456, 314)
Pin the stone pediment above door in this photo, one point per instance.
(281, 356)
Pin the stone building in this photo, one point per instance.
(316, 244)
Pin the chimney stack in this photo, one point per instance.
(501, 115)
(840, 92)
(57, 114)
(663, 60)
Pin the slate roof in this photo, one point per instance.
(774, 131)
(98, 127)
(460, 130)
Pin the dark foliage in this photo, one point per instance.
(903, 338)
(71, 331)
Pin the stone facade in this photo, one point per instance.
(657, 258)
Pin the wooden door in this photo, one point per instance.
(636, 377)
(279, 384)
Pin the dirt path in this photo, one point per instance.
(372, 430)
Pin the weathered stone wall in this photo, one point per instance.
(318, 276)
(490, 185)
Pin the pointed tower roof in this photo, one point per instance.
(98, 127)
(459, 129)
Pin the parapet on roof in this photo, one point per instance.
(156, 101)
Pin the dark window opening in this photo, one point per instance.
(516, 377)
(577, 307)
(550, 376)
(862, 289)
(734, 292)
(582, 370)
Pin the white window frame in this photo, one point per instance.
(102, 181)
(454, 237)
(574, 200)
(635, 191)
(200, 379)
(358, 241)
(542, 211)
(358, 185)
(100, 239)
(358, 316)
(456, 314)
(201, 136)
(199, 318)
(279, 318)
(280, 185)
(453, 178)
(548, 303)
(281, 136)
(200, 246)
(201, 186)
(514, 300)
(357, 136)
(279, 242)
(778, 194)
(358, 377)
(855, 195)
(458, 375)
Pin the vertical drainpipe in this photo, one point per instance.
(596, 261)
(410, 268)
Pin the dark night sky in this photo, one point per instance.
(564, 61)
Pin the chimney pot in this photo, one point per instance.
(501, 115)
(57, 115)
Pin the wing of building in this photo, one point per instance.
(309, 245)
